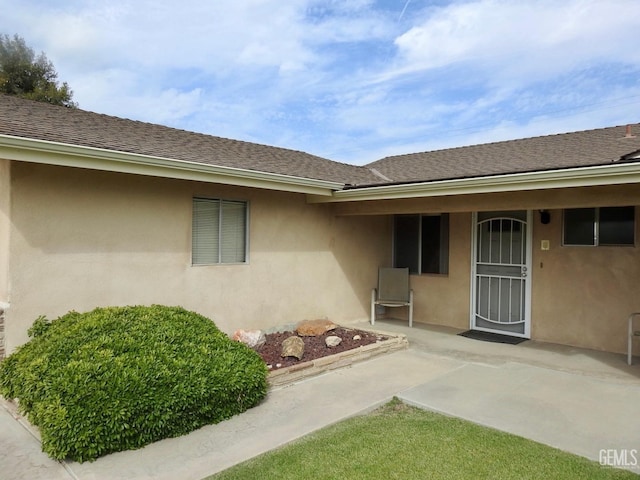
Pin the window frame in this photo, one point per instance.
(596, 239)
(415, 261)
(221, 236)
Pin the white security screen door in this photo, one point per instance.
(501, 287)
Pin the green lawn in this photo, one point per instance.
(401, 442)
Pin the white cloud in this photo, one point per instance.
(163, 33)
(539, 38)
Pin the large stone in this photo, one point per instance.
(293, 347)
(251, 338)
(332, 341)
(315, 328)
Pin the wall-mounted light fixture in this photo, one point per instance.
(545, 217)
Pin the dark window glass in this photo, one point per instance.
(579, 226)
(406, 242)
(435, 244)
(599, 226)
(421, 243)
(616, 226)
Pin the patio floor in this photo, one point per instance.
(445, 341)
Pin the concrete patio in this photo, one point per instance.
(580, 401)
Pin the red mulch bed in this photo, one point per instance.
(314, 347)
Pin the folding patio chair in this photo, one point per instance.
(393, 291)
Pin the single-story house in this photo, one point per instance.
(534, 238)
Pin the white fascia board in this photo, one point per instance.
(613, 174)
(54, 153)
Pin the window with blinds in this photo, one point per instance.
(219, 231)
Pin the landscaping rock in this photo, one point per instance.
(251, 338)
(293, 347)
(315, 328)
(332, 341)
(357, 337)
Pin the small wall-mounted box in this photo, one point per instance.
(544, 245)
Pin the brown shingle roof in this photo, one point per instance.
(28, 119)
(552, 152)
(36, 120)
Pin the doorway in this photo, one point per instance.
(501, 277)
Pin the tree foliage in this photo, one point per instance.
(26, 75)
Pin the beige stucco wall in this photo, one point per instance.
(5, 225)
(82, 239)
(582, 296)
(444, 299)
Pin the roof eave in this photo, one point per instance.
(618, 173)
(62, 154)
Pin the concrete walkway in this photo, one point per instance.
(577, 400)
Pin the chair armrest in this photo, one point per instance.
(632, 333)
(374, 293)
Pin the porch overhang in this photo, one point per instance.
(600, 175)
(62, 154)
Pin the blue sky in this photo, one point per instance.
(350, 80)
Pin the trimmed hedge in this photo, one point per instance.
(120, 378)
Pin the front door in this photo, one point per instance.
(501, 277)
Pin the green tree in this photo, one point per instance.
(26, 75)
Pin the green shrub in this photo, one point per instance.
(120, 378)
